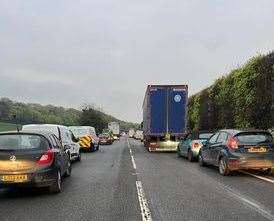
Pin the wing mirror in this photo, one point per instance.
(205, 143)
(67, 147)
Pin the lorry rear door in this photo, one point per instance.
(158, 110)
(177, 110)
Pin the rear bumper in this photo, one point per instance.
(163, 146)
(42, 178)
(250, 164)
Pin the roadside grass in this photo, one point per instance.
(7, 127)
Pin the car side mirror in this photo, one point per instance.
(205, 143)
(67, 147)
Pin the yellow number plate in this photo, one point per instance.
(14, 178)
(257, 150)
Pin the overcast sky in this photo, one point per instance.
(105, 52)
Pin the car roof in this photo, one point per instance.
(44, 125)
(237, 131)
(43, 133)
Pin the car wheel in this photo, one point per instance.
(267, 171)
(223, 167)
(190, 156)
(201, 160)
(56, 187)
(179, 152)
(68, 171)
(79, 158)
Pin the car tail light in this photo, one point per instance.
(153, 145)
(46, 158)
(196, 144)
(232, 143)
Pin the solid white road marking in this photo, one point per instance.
(258, 177)
(145, 211)
(249, 202)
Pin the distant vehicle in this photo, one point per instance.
(131, 133)
(62, 133)
(115, 129)
(33, 159)
(86, 137)
(138, 135)
(191, 145)
(164, 116)
(105, 139)
(232, 150)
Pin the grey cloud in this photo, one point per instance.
(106, 52)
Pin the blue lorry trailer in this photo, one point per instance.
(164, 116)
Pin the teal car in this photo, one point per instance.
(190, 145)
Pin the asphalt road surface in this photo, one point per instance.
(125, 182)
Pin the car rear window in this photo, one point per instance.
(254, 138)
(205, 136)
(22, 141)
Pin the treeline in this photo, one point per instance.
(242, 99)
(36, 113)
(49, 114)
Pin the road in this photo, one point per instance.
(119, 180)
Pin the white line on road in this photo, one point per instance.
(145, 211)
(250, 203)
(259, 177)
(131, 155)
(133, 163)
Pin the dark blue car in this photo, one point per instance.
(232, 150)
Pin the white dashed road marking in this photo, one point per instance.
(145, 211)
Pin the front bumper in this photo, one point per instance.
(43, 178)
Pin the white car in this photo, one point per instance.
(64, 135)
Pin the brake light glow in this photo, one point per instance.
(232, 143)
(46, 158)
(196, 144)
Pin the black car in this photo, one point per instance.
(232, 150)
(32, 160)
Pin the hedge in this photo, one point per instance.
(242, 99)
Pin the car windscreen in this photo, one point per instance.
(22, 142)
(205, 136)
(254, 138)
(103, 136)
(80, 132)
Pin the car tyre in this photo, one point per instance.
(68, 171)
(79, 158)
(223, 167)
(201, 160)
(190, 156)
(56, 187)
(179, 152)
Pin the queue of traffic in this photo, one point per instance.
(165, 129)
(41, 155)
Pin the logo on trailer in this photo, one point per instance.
(12, 158)
(177, 98)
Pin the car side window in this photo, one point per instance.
(222, 137)
(213, 139)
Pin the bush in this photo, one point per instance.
(242, 99)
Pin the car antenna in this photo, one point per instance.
(17, 126)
